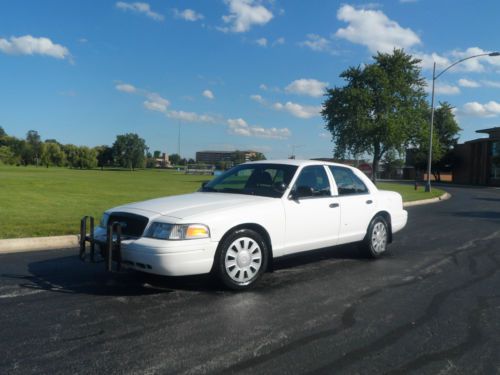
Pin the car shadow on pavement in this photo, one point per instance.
(70, 275)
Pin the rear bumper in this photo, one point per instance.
(399, 221)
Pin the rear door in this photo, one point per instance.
(357, 205)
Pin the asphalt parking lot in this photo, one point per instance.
(431, 305)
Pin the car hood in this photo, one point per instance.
(186, 205)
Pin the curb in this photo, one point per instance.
(443, 197)
(18, 245)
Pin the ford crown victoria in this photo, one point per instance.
(237, 223)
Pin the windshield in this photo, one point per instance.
(267, 180)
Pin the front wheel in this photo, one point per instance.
(377, 236)
(241, 259)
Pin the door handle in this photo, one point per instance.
(369, 201)
(334, 205)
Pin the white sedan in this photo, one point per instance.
(237, 223)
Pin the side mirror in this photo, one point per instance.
(301, 192)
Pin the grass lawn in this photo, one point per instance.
(408, 191)
(51, 201)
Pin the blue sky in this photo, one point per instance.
(233, 74)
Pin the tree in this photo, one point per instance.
(157, 154)
(2, 132)
(34, 148)
(87, 157)
(104, 156)
(52, 155)
(257, 156)
(444, 140)
(174, 159)
(7, 156)
(381, 107)
(129, 150)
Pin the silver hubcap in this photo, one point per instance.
(379, 237)
(243, 260)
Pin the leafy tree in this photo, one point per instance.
(2, 132)
(191, 161)
(174, 159)
(157, 154)
(87, 157)
(7, 156)
(52, 155)
(34, 146)
(129, 150)
(444, 140)
(71, 152)
(257, 156)
(104, 156)
(380, 108)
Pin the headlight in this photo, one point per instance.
(104, 221)
(165, 231)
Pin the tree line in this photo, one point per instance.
(128, 151)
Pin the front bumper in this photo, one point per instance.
(168, 258)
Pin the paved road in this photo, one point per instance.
(432, 305)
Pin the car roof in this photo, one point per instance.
(297, 162)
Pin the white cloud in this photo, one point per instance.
(373, 29)
(156, 103)
(474, 65)
(310, 87)
(262, 42)
(316, 43)
(263, 87)
(138, 7)
(126, 87)
(468, 83)
(188, 15)
(258, 99)
(490, 109)
(241, 127)
(494, 84)
(442, 88)
(279, 41)
(208, 94)
(429, 59)
(29, 45)
(243, 14)
(190, 117)
(298, 110)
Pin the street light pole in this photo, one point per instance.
(434, 77)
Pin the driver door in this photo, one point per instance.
(312, 213)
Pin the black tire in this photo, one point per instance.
(241, 259)
(377, 238)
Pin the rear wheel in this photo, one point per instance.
(377, 237)
(241, 259)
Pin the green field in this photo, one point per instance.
(51, 201)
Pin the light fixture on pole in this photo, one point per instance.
(434, 77)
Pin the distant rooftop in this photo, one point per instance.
(492, 132)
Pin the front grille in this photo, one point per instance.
(132, 224)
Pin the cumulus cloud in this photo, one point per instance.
(474, 65)
(468, 83)
(143, 8)
(156, 103)
(241, 127)
(188, 15)
(208, 94)
(316, 43)
(310, 87)
(258, 98)
(298, 110)
(243, 14)
(490, 109)
(191, 117)
(442, 88)
(29, 45)
(262, 42)
(373, 29)
(126, 87)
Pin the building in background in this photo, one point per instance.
(478, 161)
(163, 161)
(214, 157)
